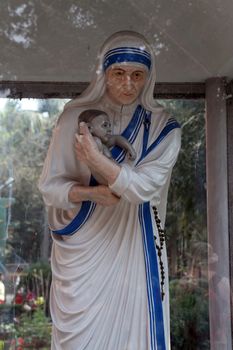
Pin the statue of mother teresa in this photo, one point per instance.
(110, 280)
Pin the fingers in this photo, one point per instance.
(83, 129)
(85, 145)
(78, 146)
(83, 133)
(79, 138)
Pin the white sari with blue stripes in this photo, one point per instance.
(106, 290)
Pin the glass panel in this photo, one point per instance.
(186, 229)
(24, 236)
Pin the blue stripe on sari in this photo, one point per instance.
(128, 48)
(171, 124)
(127, 54)
(130, 133)
(85, 212)
(87, 209)
(157, 333)
(127, 57)
(153, 280)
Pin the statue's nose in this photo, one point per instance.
(128, 82)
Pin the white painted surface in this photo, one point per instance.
(55, 40)
(217, 217)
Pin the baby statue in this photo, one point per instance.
(100, 127)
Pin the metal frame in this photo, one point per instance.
(229, 106)
(218, 215)
(43, 89)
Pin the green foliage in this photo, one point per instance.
(51, 107)
(189, 315)
(24, 141)
(186, 231)
(186, 211)
(35, 327)
(37, 278)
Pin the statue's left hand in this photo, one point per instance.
(85, 146)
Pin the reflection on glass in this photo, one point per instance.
(24, 238)
(25, 274)
(187, 233)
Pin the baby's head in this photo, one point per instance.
(98, 123)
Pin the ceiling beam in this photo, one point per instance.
(31, 89)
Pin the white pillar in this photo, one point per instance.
(217, 215)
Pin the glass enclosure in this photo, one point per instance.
(48, 49)
(26, 128)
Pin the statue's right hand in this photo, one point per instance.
(102, 195)
(99, 194)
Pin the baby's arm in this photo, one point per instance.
(118, 140)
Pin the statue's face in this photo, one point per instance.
(100, 126)
(124, 83)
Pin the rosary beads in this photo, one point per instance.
(159, 248)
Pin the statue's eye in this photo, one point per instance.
(105, 124)
(138, 75)
(118, 73)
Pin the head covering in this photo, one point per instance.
(132, 48)
(127, 55)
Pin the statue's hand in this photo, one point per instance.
(99, 194)
(85, 145)
(102, 195)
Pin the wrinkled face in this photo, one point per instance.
(100, 126)
(124, 83)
